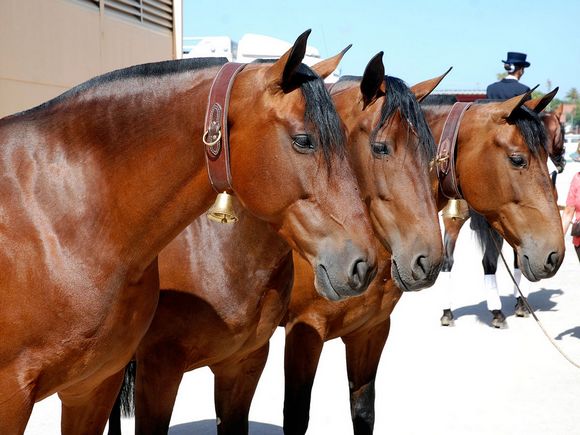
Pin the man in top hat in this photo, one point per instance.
(510, 86)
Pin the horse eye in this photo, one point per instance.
(303, 143)
(380, 149)
(518, 160)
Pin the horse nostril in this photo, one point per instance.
(552, 261)
(420, 268)
(359, 274)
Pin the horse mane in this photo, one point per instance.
(527, 121)
(320, 113)
(399, 97)
(439, 100)
(155, 69)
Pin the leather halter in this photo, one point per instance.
(215, 136)
(445, 160)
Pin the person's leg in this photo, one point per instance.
(577, 251)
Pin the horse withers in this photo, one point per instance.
(97, 181)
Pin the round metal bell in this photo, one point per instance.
(456, 209)
(222, 210)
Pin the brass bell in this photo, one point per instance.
(456, 209)
(222, 210)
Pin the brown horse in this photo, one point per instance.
(97, 181)
(498, 145)
(490, 240)
(237, 311)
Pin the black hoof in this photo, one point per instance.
(498, 320)
(447, 318)
(521, 308)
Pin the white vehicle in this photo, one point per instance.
(250, 47)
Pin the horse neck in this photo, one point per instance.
(136, 144)
(435, 116)
(222, 247)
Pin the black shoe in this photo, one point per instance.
(447, 318)
(498, 320)
(521, 308)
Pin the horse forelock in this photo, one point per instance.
(399, 97)
(531, 128)
(320, 114)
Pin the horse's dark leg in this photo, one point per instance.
(489, 262)
(521, 310)
(363, 353)
(452, 228)
(159, 373)
(86, 412)
(235, 385)
(115, 418)
(301, 356)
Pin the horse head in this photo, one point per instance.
(501, 167)
(289, 168)
(390, 146)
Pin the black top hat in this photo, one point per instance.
(518, 59)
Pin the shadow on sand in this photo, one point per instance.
(208, 427)
(572, 332)
(540, 300)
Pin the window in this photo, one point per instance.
(158, 13)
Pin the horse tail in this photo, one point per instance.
(125, 404)
(127, 393)
(488, 238)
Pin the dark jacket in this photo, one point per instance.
(505, 89)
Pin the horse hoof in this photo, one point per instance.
(498, 320)
(447, 318)
(521, 310)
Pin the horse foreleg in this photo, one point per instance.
(16, 402)
(159, 373)
(491, 253)
(452, 228)
(87, 412)
(235, 385)
(363, 353)
(301, 355)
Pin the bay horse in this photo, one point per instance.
(97, 181)
(490, 240)
(494, 142)
(236, 312)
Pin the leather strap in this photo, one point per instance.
(215, 136)
(446, 150)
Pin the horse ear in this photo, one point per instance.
(540, 103)
(283, 71)
(423, 89)
(325, 67)
(507, 107)
(372, 83)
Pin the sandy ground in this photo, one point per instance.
(467, 379)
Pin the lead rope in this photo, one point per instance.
(531, 310)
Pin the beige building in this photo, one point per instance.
(48, 46)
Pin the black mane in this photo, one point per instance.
(320, 114)
(155, 69)
(399, 97)
(527, 121)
